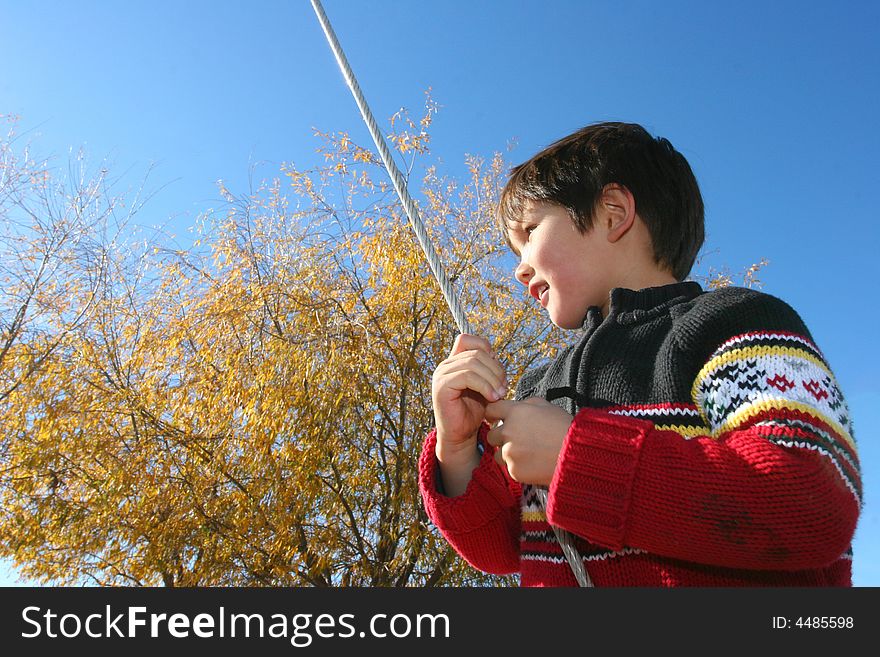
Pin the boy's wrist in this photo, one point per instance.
(458, 451)
(456, 463)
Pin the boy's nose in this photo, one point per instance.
(524, 273)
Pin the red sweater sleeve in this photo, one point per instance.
(772, 484)
(483, 523)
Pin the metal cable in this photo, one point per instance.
(566, 541)
(397, 178)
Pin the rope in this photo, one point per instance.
(566, 541)
(397, 178)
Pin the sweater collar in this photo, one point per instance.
(631, 305)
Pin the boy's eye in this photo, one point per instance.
(529, 229)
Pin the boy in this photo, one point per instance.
(685, 438)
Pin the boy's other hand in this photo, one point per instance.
(462, 385)
(529, 437)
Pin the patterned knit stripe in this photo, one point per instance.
(774, 338)
(747, 413)
(543, 543)
(738, 383)
(644, 410)
(533, 515)
(549, 550)
(531, 501)
(559, 559)
(804, 423)
(749, 382)
(540, 539)
(697, 427)
(684, 419)
(804, 436)
(553, 553)
(539, 543)
(685, 431)
(779, 433)
(738, 354)
(537, 537)
(648, 570)
(822, 436)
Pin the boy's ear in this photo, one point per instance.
(619, 210)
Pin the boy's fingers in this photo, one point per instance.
(495, 436)
(491, 373)
(466, 342)
(499, 410)
(469, 380)
(477, 359)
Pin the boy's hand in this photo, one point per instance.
(529, 438)
(461, 387)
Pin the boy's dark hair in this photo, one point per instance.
(573, 172)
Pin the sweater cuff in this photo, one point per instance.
(487, 495)
(591, 489)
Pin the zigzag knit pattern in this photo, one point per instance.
(780, 383)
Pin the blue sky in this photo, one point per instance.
(774, 104)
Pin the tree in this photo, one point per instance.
(250, 410)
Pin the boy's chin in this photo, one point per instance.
(568, 317)
(565, 323)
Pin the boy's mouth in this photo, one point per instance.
(539, 291)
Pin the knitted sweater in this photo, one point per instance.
(710, 446)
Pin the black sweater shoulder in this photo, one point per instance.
(715, 316)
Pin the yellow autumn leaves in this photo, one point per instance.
(247, 411)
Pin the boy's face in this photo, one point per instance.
(565, 270)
